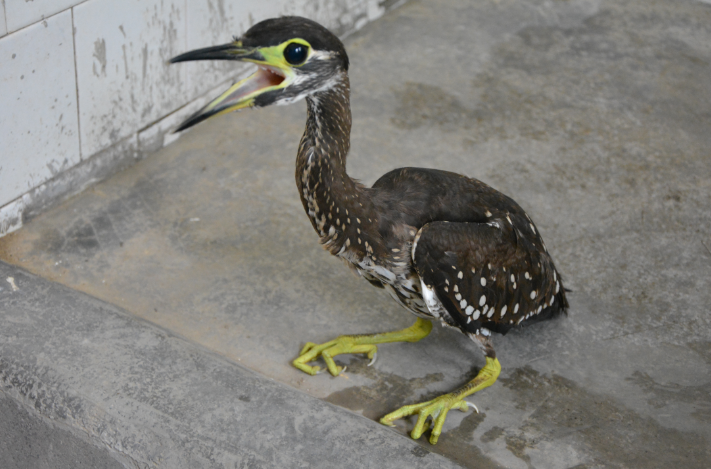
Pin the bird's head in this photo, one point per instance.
(296, 57)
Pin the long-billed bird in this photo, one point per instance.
(445, 246)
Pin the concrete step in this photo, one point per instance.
(111, 389)
(592, 114)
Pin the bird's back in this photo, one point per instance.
(474, 236)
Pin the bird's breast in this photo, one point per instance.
(398, 279)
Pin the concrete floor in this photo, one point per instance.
(594, 115)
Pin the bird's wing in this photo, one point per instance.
(486, 274)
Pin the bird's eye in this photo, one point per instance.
(296, 53)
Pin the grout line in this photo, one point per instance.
(185, 80)
(135, 134)
(4, 11)
(44, 18)
(215, 90)
(76, 84)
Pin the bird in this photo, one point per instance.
(446, 247)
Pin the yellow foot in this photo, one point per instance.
(438, 408)
(357, 344)
(328, 350)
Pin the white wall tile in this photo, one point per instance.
(126, 89)
(125, 82)
(38, 117)
(160, 133)
(21, 13)
(3, 25)
(215, 22)
(339, 16)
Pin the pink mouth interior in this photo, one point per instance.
(262, 78)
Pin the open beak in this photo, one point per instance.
(271, 75)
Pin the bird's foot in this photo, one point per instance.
(363, 343)
(328, 350)
(437, 408)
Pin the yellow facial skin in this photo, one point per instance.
(273, 60)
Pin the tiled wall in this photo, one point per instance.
(85, 87)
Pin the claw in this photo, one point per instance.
(434, 412)
(342, 370)
(471, 404)
(385, 422)
(321, 370)
(372, 360)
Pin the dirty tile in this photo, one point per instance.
(216, 22)
(11, 217)
(161, 133)
(545, 101)
(3, 24)
(124, 79)
(39, 133)
(21, 13)
(341, 16)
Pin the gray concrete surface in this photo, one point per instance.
(29, 441)
(594, 115)
(152, 399)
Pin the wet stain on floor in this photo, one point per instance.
(661, 394)
(457, 444)
(593, 113)
(390, 392)
(613, 436)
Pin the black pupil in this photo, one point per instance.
(295, 53)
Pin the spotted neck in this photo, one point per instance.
(333, 201)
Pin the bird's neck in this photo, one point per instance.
(330, 197)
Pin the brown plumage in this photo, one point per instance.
(472, 241)
(445, 246)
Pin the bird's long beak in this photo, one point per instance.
(272, 74)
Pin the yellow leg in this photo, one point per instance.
(356, 344)
(437, 408)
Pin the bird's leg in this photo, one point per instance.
(437, 408)
(362, 343)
